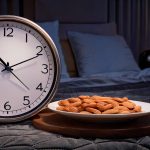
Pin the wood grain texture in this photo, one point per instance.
(52, 122)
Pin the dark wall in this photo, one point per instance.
(11, 7)
(131, 16)
(133, 22)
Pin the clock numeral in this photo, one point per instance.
(45, 68)
(7, 106)
(26, 100)
(39, 87)
(26, 37)
(40, 50)
(8, 32)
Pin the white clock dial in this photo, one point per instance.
(28, 69)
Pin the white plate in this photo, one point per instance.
(103, 117)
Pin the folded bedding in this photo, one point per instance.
(112, 78)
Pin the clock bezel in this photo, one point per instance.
(56, 79)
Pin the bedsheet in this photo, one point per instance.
(24, 136)
(111, 78)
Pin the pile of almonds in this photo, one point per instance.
(85, 104)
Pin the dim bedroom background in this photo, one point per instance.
(99, 43)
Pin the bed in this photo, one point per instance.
(84, 26)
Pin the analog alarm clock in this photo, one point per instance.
(29, 68)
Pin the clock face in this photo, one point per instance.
(28, 69)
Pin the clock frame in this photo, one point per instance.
(56, 61)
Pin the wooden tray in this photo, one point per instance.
(52, 122)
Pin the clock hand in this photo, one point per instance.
(8, 68)
(19, 80)
(3, 62)
(19, 62)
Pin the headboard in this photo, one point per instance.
(77, 15)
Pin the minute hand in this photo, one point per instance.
(21, 62)
(3, 62)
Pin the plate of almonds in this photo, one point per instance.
(100, 108)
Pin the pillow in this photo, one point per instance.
(52, 29)
(96, 54)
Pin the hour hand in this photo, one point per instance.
(3, 62)
(6, 65)
(19, 63)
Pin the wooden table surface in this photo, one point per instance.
(52, 122)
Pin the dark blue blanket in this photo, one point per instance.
(135, 91)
